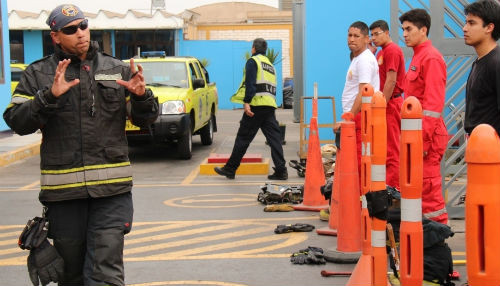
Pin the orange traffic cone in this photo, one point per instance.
(362, 272)
(349, 233)
(411, 180)
(482, 214)
(315, 176)
(331, 229)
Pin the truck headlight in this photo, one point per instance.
(173, 107)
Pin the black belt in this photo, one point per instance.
(396, 96)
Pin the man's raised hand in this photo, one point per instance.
(136, 83)
(60, 85)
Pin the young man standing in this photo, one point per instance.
(482, 93)
(362, 70)
(391, 65)
(426, 80)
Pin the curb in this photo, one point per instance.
(19, 154)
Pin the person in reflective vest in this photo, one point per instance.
(426, 80)
(257, 93)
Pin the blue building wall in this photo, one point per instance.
(5, 87)
(33, 46)
(326, 54)
(226, 62)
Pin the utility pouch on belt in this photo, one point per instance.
(378, 204)
(34, 233)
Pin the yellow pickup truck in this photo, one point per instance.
(188, 102)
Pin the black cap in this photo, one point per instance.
(62, 15)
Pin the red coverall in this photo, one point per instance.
(426, 80)
(391, 58)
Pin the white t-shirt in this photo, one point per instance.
(363, 69)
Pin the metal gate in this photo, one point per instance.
(446, 34)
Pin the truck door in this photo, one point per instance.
(199, 100)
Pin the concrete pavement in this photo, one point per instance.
(14, 147)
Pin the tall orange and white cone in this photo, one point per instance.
(361, 274)
(411, 180)
(378, 160)
(482, 211)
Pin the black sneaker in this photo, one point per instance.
(224, 172)
(282, 175)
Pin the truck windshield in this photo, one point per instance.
(165, 74)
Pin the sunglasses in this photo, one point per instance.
(70, 30)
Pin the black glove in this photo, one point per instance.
(298, 258)
(45, 263)
(314, 257)
(298, 227)
(302, 227)
(281, 228)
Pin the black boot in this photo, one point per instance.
(224, 172)
(279, 175)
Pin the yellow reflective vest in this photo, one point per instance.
(266, 84)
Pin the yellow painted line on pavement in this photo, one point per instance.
(2, 227)
(220, 246)
(182, 201)
(189, 254)
(30, 186)
(217, 200)
(184, 183)
(11, 251)
(13, 233)
(135, 232)
(248, 220)
(194, 173)
(188, 282)
(458, 253)
(190, 178)
(199, 239)
(178, 234)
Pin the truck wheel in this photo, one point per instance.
(185, 145)
(207, 132)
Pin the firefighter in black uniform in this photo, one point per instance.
(79, 98)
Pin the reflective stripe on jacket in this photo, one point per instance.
(265, 83)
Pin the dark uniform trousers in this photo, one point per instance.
(265, 119)
(89, 235)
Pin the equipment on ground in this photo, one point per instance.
(297, 227)
(277, 194)
(310, 255)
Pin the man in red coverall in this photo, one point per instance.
(391, 69)
(426, 80)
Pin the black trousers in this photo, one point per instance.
(265, 119)
(89, 235)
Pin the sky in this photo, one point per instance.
(120, 6)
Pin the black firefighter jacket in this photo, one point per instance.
(84, 149)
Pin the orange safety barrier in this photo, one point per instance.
(315, 176)
(411, 180)
(378, 158)
(482, 211)
(349, 232)
(361, 274)
(333, 218)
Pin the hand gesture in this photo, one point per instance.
(60, 85)
(136, 83)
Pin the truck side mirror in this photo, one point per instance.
(198, 83)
